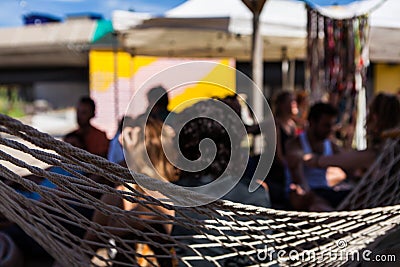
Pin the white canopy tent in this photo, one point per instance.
(209, 28)
(285, 18)
(223, 28)
(385, 32)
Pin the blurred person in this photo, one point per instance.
(96, 141)
(158, 100)
(73, 139)
(284, 107)
(309, 185)
(115, 150)
(142, 139)
(237, 104)
(383, 116)
(26, 244)
(225, 136)
(300, 117)
(207, 120)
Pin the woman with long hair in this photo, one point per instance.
(144, 142)
(284, 106)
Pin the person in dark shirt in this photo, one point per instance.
(211, 122)
(96, 141)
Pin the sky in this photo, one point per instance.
(11, 11)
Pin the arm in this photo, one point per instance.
(294, 158)
(100, 218)
(124, 204)
(346, 160)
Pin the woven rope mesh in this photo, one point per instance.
(380, 185)
(221, 233)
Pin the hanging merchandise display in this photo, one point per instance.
(337, 64)
(344, 9)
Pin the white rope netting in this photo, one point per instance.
(222, 233)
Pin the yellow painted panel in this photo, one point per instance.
(142, 61)
(220, 82)
(124, 65)
(101, 68)
(387, 78)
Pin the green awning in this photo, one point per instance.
(103, 27)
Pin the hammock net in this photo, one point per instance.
(222, 233)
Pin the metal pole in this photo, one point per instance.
(257, 69)
(292, 74)
(257, 60)
(285, 69)
(116, 91)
